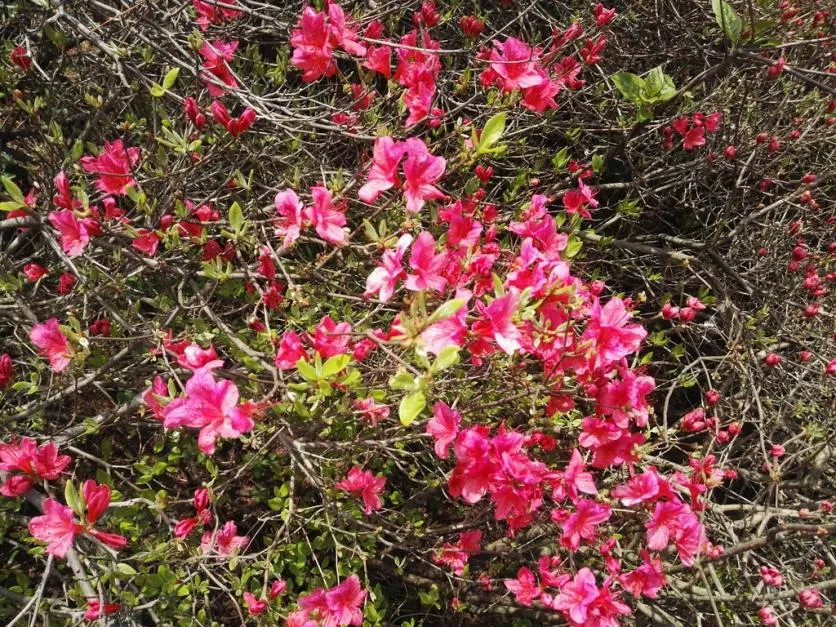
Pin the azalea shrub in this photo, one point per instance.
(420, 313)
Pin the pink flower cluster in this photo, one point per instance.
(421, 171)
(315, 38)
(340, 605)
(27, 463)
(325, 215)
(58, 526)
(364, 485)
(329, 339)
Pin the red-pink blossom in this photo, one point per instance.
(21, 58)
(581, 524)
(95, 610)
(427, 266)
(515, 64)
(326, 217)
(216, 57)
(74, 233)
(211, 406)
(603, 16)
(525, 587)
(52, 344)
(290, 351)
(212, 14)
(340, 605)
(495, 322)
(771, 576)
(114, 166)
(34, 271)
(291, 216)
(225, 541)
(332, 338)
(57, 527)
(455, 555)
(444, 427)
(363, 484)
(255, 606)
(674, 522)
(647, 579)
(810, 599)
(235, 126)
(580, 200)
(146, 242)
(6, 370)
(384, 278)
(27, 463)
(370, 410)
(421, 170)
(611, 336)
(576, 596)
(383, 174)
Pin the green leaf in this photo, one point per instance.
(335, 364)
(491, 133)
(573, 247)
(560, 158)
(659, 87)
(156, 90)
(402, 381)
(369, 231)
(728, 19)
(449, 356)
(306, 370)
(236, 217)
(12, 189)
(170, 78)
(73, 498)
(126, 569)
(11, 205)
(630, 85)
(411, 405)
(446, 310)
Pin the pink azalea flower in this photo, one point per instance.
(379, 59)
(64, 198)
(326, 218)
(515, 64)
(95, 610)
(6, 370)
(577, 200)
(427, 265)
(332, 338)
(444, 427)
(495, 322)
(146, 242)
(611, 335)
(767, 616)
(216, 57)
(114, 166)
(255, 606)
(74, 233)
(456, 555)
(475, 466)
(225, 541)
(316, 36)
(647, 579)
(383, 174)
(421, 169)
(211, 14)
(291, 216)
(574, 480)
(211, 406)
(643, 488)
(371, 410)
(540, 97)
(341, 605)
(673, 521)
(194, 357)
(810, 599)
(694, 138)
(57, 527)
(524, 587)
(771, 576)
(363, 484)
(450, 331)
(581, 524)
(290, 351)
(33, 462)
(625, 399)
(419, 95)
(52, 344)
(577, 596)
(276, 588)
(384, 279)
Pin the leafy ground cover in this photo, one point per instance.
(414, 313)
